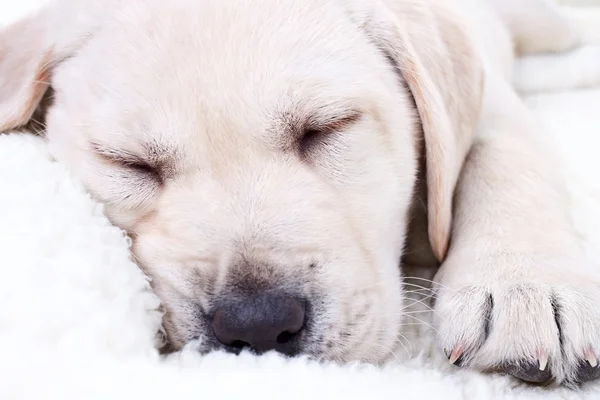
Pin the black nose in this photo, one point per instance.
(264, 322)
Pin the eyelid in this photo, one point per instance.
(119, 156)
(334, 123)
(317, 130)
(126, 159)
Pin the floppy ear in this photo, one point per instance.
(32, 47)
(431, 50)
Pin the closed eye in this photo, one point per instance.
(129, 161)
(316, 132)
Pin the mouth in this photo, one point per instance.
(290, 315)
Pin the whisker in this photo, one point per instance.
(405, 282)
(422, 294)
(36, 131)
(424, 323)
(38, 122)
(416, 312)
(395, 355)
(426, 280)
(411, 305)
(422, 202)
(408, 352)
(422, 302)
(414, 285)
(421, 291)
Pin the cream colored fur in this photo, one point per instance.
(215, 95)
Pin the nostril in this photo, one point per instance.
(239, 345)
(286, 337)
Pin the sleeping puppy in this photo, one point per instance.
(266, 158)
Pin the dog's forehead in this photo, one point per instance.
(213, 51)
(209, 66)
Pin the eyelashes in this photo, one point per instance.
(131, 162)
(310, 139)
(125, 179)
(316, 134)
(143, 168)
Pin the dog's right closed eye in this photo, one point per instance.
(130, 161)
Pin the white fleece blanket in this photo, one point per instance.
(77, 320)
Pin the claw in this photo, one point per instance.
(456, 353)
(527, 371)
(542, 357)
(590, 357)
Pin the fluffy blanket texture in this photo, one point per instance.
(77, 318)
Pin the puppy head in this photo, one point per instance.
(262, 157)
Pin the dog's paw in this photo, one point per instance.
(537, 325)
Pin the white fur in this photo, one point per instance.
(553, 72)
(88, 277)
(515, 253)
(490, 253)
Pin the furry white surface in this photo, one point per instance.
(77, 319)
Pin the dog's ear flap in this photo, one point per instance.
(25, 58)
(32, 47)
(434, 55)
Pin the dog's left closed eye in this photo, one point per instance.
(315, 133)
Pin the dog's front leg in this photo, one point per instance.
(515, 292)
